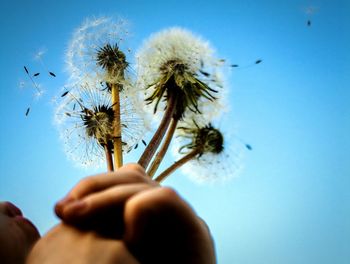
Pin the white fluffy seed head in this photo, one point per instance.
(80, 147)
(92, 35)
(209, 167)
(181, 45)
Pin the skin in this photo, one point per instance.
(17, 234)
(124, 217)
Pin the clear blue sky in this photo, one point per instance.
(291, 204)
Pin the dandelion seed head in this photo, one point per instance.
(174, 44)
(219, 158)
(91, 42)
(85, 122)
(175, 61)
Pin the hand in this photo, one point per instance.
(66, 244)
(153, 223)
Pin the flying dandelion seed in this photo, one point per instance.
(39, 57)
(309, 12)
(245, 66)
(85, 122)
(38, 91)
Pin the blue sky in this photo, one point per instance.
(291, 203)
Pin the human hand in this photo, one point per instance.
(17, 234)
(66, 244)
(153, 223)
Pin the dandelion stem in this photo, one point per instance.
(161, 177)
(117, 133)
(164, 148)
(159, 134)
(108, 157)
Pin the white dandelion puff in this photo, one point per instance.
(205, 154)
(175, 57)
(94, 35)
(85, 122)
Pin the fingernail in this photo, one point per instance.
(61, 204)
(65, 200)
(76, 206)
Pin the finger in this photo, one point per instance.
(111, 198)
(131, 173)
(156, 201)
(158, 214)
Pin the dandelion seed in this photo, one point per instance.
(38, 91)
(39, 56)
(35, 85)
(309, 12)
(27, 112)
(65, 93)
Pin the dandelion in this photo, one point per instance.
(94, 46)
(85, 120)
(95, 51)
(176, 71)
(204, 154)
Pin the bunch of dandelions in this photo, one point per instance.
(94, 54)
(178, 77)
(95, 51)
(85, 119)
(176, 72)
